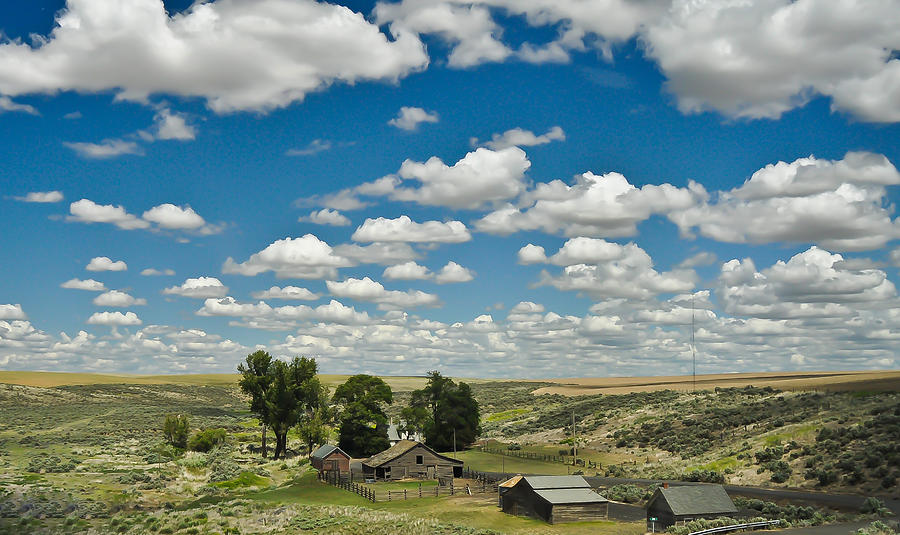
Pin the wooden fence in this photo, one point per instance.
(484, 484)
(335, 479)
(564, 459)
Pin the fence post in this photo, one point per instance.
(420, 490)
(404, 494)
(389, 495)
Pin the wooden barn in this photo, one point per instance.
(330, 458)
(675, 505)
(408, 458)
(554, 499)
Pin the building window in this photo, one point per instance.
(420, 459)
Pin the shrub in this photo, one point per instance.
(176, 429)
(207, 439)
(874, 506)
(705, 476)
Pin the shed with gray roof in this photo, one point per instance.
(670, 506)
(330, 458)
(554, 499)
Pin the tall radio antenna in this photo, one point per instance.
(693, 352)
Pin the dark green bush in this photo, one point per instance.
(206, 439)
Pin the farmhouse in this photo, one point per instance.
(330, 458)
(408, 458)
(394, 433)
(554, 499)
(676, 505)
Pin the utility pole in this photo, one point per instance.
(574, 444)
(693, 352)
(454, 442)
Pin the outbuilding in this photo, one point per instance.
(554, 499)
(671, 506)
(409, 458)
(330, 458)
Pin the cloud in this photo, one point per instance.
(238, 55)
(518, 137)
(87, 211)
(812, 284)
(306, 257)
(470, 29)
(41, 197)
(761, 59)
(366, 289)
(263, 316)
(108, 148)
(166, 216)
(377, 253)
(704, 258)
(407, 271)
(12, 312)
(169, 125)
(606, 270)
(409, 118)
(480, 178)
(532, 254)
(169, 216)
(288, 292)
(90, 285)
(115, 298)
(314, 147)
(114, 319)
(453, 272)
(73, 115)
(103, 263)
(326, 216)
(200, 287)
(839, 204)
(7, 105)
(596, 205)
(403, 229)
(153, 272)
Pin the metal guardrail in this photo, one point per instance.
(735, 527)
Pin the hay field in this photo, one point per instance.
(888, 380)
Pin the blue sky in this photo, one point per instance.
(489, 188)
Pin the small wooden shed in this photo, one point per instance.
(408, 458)
(554, 499)
(675, 505)
(330, 458)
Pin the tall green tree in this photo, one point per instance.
(364, 424)
(282, 394)
(256, 379)
(452, 411)
(294, 395)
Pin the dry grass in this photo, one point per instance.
(830, 381)
(52, 379)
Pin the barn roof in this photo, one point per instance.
(399, 449)
(511, 482)
(557, 482)
(327, 449)
(563, 496)
(697, 499)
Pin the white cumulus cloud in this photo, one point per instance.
(306, 257)
(409, 118)
(288, 292)
(517, 137)
(403, 229)
(238, 55)
(104, 263)
(116, 298)
(200, 287)
(89, 284)
(114, 319)
(12, 312)
(326, 216)
(42, 197)
(87, 211)
(366, 289)
(407, 271)
(453, 272)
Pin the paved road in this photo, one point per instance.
(834, 529)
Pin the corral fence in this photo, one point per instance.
(737, 527)
(484, 483)
(547, 458)
(345, 482)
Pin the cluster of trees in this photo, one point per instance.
(285, 395)
(446, 413)
(177, 429)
